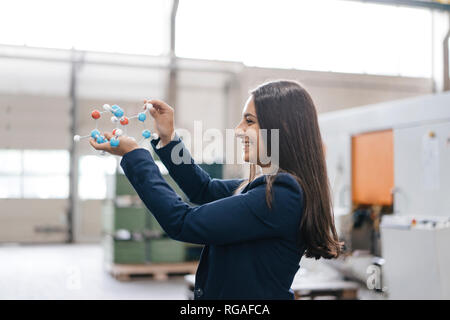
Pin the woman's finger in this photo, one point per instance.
(93, 143)
(153, 112)
(108, 135)
(100, 146)
(160, 105)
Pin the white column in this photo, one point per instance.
(440, 28)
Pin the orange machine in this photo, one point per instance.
(373, 168)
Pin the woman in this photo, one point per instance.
(254, 231)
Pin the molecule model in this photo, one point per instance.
(118, 117)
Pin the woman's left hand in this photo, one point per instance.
(126, 144)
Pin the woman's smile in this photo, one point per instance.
(246, 144)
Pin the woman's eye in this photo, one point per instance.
(248, 121)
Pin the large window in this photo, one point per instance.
(44, 174)
(41, 174)
(96, 177)
(326, 35)
(132, 26)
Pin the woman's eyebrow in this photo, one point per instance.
(249, 115)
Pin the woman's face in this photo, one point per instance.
(248, 131)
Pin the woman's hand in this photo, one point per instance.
(126, 144)
(164, 120)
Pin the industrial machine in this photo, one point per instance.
(390, 160)
(417, 257)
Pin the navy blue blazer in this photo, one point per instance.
(250, 250)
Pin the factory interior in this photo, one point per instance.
(73, 227)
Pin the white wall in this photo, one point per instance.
(21, 220)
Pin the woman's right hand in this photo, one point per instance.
(164, 119)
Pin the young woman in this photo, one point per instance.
(255, 231)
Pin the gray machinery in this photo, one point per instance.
(389, 170)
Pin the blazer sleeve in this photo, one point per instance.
(191, 178)
(242, 217)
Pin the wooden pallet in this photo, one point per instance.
(336, 289)
(159, 271)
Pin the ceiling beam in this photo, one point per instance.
(412, 3)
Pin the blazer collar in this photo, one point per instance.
(256, 182)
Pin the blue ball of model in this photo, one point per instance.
(142, 116)
(101, 139)
(95, 133)
(146, 134)
(114, 142)
(118, 112)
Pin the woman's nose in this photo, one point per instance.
(239, 132)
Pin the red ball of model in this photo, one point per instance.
(124, 121)
(95, 114)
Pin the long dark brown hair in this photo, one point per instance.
(285, 105)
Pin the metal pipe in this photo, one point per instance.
(446, 62)
(173, 17)
(172, 82)
(73, 166)
(411, 3)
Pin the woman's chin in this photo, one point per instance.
(249, 158)
(249, 155)
(245, 156)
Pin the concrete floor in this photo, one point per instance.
(73, 272)
(77, 272)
